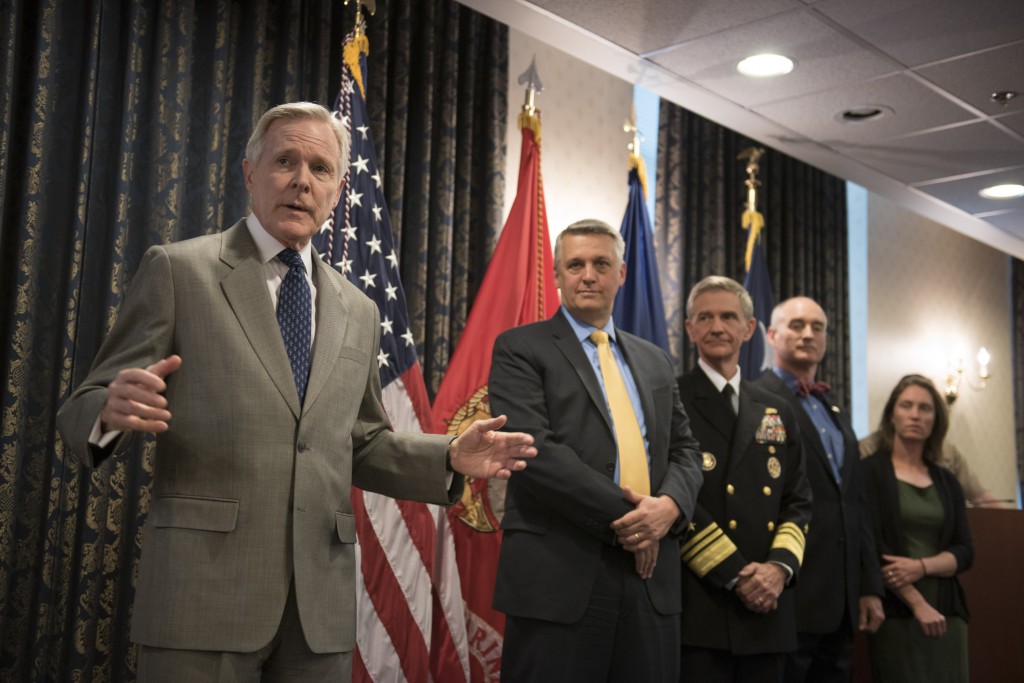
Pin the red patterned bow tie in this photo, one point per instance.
(804, 389)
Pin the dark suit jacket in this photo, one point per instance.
(840, 564)
(558, 511)
(250, 489)
(754, 507)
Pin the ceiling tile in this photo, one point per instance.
(1014, 122)
(920, 31)
(974, 78)
(824, 59)
(643, 27)
(1011, 222)
(914, 107)
(970, 148)
(963, 192)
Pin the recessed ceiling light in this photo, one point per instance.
(1003, 192)
(762, 66)
(863, 113)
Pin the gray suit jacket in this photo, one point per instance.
(250, 489)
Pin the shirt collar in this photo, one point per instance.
(583, 330)
(787, 377)
(269, 247)
(717, 379)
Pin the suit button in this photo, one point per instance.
(767, 490)
(730, 489)
(771, 449)
(610, 467)
(732, 524)
(301, 447)
(771, 526)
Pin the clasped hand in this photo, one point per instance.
(641, 529)
(759, 586)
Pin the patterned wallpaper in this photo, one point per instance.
(583, 147)
(934, 294)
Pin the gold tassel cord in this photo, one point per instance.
(636, 161)
(531, 119)
(754, 222)
(359, 45)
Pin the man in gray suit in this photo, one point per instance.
(589, 575)
(247, 572)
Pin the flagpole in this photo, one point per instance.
(756, 353)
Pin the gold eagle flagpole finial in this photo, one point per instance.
(371, 6)
(752, 219)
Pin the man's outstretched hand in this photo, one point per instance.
(483, 452)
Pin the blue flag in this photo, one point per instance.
(638, 306)
(756, 354)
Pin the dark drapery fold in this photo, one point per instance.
(1017, 301)
(122, 125)
(437, 100)
(699, 201)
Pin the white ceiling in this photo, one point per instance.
(931, 64)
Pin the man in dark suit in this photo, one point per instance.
(841, 584)
(747, 540)
(588, 574)
(247, 568)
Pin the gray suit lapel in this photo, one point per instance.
(245, 288)
(331, 322)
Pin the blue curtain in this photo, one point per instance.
(123, 124)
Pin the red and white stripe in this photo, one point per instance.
(411, 626)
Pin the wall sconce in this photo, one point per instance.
(955, 376)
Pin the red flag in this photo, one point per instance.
(410, 616)
(518, 288)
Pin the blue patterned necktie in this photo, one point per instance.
(294, 315)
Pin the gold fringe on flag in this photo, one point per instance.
(530, 119)
(359, 45)
(754, 222)
(636, 161)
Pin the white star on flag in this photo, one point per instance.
(385, 325)
(361, 165)
(368, 279)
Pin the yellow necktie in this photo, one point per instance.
(632, 454)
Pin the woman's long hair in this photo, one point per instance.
(887, 430)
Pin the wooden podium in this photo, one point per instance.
(994, 587)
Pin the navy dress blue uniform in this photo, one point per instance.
(754, 506)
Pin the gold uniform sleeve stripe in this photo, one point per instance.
(707, 550)
(789, 537)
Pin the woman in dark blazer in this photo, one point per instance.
(920, 524)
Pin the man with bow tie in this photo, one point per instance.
(841, 583)
(746, 542)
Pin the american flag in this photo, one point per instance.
(411, 625)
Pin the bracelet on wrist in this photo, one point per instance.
(924, 569)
